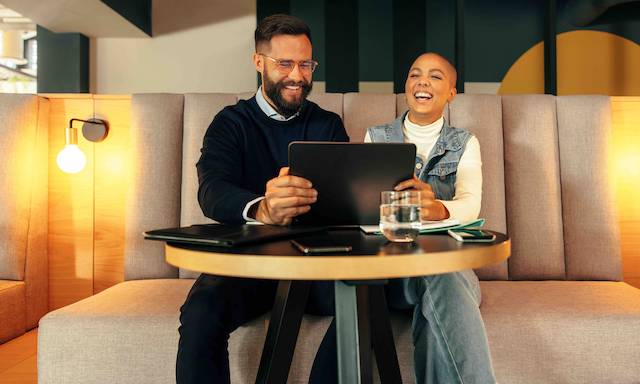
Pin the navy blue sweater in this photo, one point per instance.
(244, 148)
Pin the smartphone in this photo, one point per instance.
(319, 244)
(472, 235)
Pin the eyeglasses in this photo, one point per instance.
(286, 66)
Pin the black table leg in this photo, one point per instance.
(288, 309)
(364, 334)
(353, 332)
(362, 325)
(383, 344)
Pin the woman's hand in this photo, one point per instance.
(430, 208)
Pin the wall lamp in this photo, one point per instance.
(71, 159)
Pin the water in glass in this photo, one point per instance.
(400, 215)
(400, 222)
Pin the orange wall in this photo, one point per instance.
(86, 210)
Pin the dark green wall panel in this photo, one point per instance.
(550, 55)
(63, 62)
(376, 40)
(342, 69)
(375, 34)
(497, 33)
(460, 44)
(138, 12)
(441, 28)
(312, 12)
(622, 20)
(265, 8)
(409, 38)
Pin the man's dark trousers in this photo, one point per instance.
(216, 306)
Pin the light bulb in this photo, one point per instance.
(71, 159)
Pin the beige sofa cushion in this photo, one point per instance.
(539, 332)
(333, 102)
(532, 183)
(129, 334)
(18, 146)
(529, 144)
(591, 234)
(482, 116)
(153, 196)
(199, 111)
(563, 331)
(125, 334)
(12, 309)
(23, 205)
(364, 110)
(36, 274)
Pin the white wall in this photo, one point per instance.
(198, 46)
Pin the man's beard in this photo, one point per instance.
(274, 90)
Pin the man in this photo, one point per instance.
(448, 332)
(243, 177)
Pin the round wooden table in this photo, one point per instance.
(362, 320)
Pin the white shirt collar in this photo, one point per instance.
(422, 133)
(268, 109)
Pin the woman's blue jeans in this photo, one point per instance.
(450, 341)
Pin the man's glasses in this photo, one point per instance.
(286, 66)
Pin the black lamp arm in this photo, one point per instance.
(94, 130)
(92, 121)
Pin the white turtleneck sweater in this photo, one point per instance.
(465, 205)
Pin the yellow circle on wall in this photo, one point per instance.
(589, 62)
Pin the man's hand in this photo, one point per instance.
(285, 198)
(430, 208)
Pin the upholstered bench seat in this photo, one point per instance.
(12, 304)
(563, 331)
(129, 334)
(24, 126)
(555, 312)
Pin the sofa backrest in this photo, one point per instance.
(23, 197)
(544, 170)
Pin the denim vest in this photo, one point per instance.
(439, 170)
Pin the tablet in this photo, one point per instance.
(220, 235)
(349, 178)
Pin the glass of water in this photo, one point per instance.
(400, 215)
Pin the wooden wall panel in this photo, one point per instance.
(626, 174)
(86, 210)
(70, 242)
(110, 189)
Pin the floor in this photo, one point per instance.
(18, 359)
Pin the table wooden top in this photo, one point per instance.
(372, 258)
